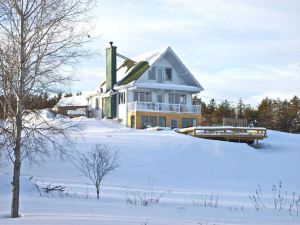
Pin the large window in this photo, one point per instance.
(142, 97)
(188, 122)
(148, 121)
(174, 98)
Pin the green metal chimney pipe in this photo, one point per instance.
(110, 105)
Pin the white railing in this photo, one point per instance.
(163, 107)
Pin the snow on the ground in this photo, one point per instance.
(188, 172)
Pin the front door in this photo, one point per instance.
(132, 121)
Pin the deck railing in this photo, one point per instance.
(163, 107)
(241, 134)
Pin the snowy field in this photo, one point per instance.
(199, 181)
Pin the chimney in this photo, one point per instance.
(110, 103)
(111, 66)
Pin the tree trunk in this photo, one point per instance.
(16, 186)
(98, 191)
(18, 122)
(17, 164)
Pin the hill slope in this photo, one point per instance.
(189, 171)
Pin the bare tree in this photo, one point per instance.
(98, 163)
(39, 41)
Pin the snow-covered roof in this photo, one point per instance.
(149, 57)
(80, 100)
(146, 60)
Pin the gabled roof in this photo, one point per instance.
(145, 61)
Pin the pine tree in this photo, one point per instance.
(211, 112)
(265, 113)
(225, 110)
(240, 109)
(295, 114)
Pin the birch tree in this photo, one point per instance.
(39, 41)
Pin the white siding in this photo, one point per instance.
(94, 112)
(164, 64)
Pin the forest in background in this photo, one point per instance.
(274, 114)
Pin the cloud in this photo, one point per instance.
(237, 48)
(252, 84)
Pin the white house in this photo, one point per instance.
(153, 89)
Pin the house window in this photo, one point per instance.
(151, 74)
(148, 97)
(183, 99)
(168, 72)
(174, 98)
(188, 122)
(173, 123)
(160, 75)
(144, 121)
(142, 97)
(122, 98)
(148, 121)
(171, 98)
(162, 121)
(152, 121)
(136, 96)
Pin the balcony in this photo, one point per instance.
(163, 107)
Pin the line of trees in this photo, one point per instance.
(275, 114)
(31, 102)
(42, 100)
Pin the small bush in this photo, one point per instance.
(144, 198)
(206, 201)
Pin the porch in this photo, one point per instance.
(163, 107)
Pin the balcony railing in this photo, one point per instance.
(163, 107)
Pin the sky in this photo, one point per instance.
(247, 49)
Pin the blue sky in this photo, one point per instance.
(235, 48)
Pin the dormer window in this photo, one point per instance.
(168, 73)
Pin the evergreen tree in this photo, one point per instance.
(68, 94)
(240, 109)
(282, 119)
(225, 110)
(251, 115)
(265, 114)
(211, 112)
(295, 114)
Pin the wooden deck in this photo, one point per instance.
(234, 134)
